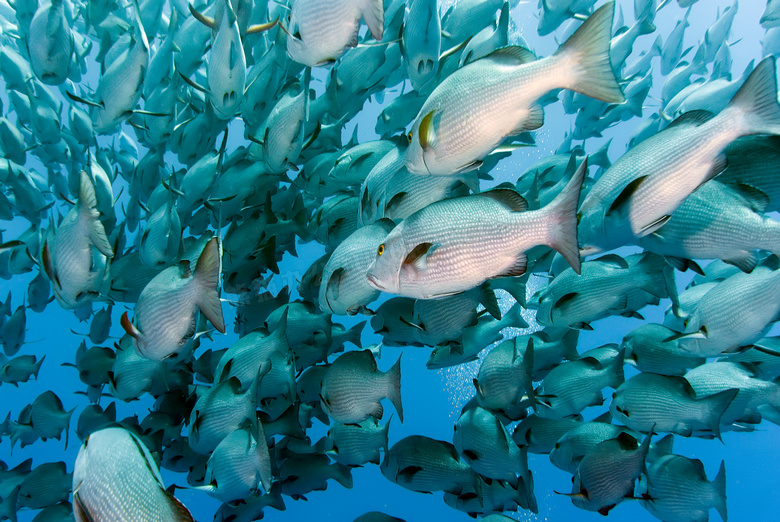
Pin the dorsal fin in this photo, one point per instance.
(511, 55)
(507, 197)
(694, 118)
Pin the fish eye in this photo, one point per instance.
(381, 249)
(409, 137)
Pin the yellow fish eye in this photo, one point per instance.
(409, 137)
(381, 249)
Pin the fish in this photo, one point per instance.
(50, 42)
(164, 318)
(358, 444)
(706, 331)
(436, 251)
(421, 42)
(670, 404)
(676, 488)
(632, 198)
(573, 386)
(319, 33)
(486, 446)
(353, 386)
(238, 465)
(466, 117)
(420, 463)
(75, 254)
(607, 474)
(608, 285)
(109, 464)
(647, 351)
(344, 289)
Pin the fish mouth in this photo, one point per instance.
(374, 282)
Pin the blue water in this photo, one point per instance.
(432, 399)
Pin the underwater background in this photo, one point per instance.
(432, 398)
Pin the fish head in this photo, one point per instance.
(422, 142)
(384, 273)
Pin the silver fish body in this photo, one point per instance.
(116, 478)
(474, 109)
(455, 245)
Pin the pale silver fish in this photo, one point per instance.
(50, 43)
(344, 289)
(116, 478)
(486, 446)
(353, 387)
(669, 167)
(757, 399)
(703, 227)
(320, 31)
(421, 41)
(716, 325)
(238, 466)
(457, 244)
(218, 412)
(165, 314)
(607, 474)
(470, 113)
(668, 404)
(571, 387)
(676, 489)
(75, 255)
(420, 463)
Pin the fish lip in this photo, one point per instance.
(373, 282)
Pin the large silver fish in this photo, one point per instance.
(637, 195)
(116, 478)
(471, 112)
(457, 244)
(165, 315)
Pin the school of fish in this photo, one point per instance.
(164, 158)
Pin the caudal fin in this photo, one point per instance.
(757, 100)
(719, 484)
(562, 215)
(393, 376)
(589, 48)
(207, 272)
(718, 404)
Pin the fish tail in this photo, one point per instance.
(719, 484)
(719, 403)
(589, 48)
(355, 333)
(757, 100)
(514, 317)
(562, 215)
(207, 272)
(343, 475)
(394, 388)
